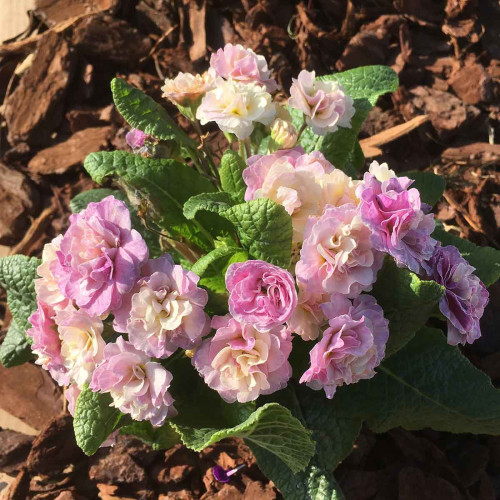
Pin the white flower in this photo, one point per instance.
(381, 172)
(324, 103)
(236, 106)
(82, 345)
(186, 88)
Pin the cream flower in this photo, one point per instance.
(82, 345)
(283, 133)
(235, 107)
(337, 189)
(381, 172)
(186, 88)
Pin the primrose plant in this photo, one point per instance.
(252, 283)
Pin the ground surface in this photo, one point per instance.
(54, 84)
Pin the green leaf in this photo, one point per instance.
(94, 420)
(159, 438)
(264, 229)
(367, 82)
(230, 172)
(428, 384)
(407, 302)
(315, 483)
(271, 427)
(215, 262)
(211, 202)
(431, 186)
(486, 260)
(334, 431)
(142, 112)
(17, 275)
(165, 185)
(15, 349)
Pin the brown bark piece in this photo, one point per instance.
(105, 38)
(70, 153)
(56, 12)
(18, 200)
(472, 84)
(35, 108)
(55, 447)
(197, 10)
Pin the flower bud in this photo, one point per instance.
(283, 133)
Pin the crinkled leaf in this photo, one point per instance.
(315, 483)
(15, 349)
(428, 383)
(17, 275)
(94, 420)
(486, 260)
(81, 200)
(230, 172)
(165, 185)
(211, 202)
(144, 113)
(407, 302)
(159, 438)
(367, 82)
(264, 229)
(271, 427)
(431, 186)
(334, 432)
(215, 262)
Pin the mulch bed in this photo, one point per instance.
(57, 107)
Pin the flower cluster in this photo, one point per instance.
(110, 318)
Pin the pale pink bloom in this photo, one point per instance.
(46, 343)
(325, 104)
(71, 393)
(46, 287)
(292, 179)
(260, 293)
(337, 255)
(244, 65)
(165, 310)
(82, 345)
(337, 189)
(351, 347)
(138, 386)
(186, 89)
(241, 363)
(100, 257)
(307, 318)
(236, 107)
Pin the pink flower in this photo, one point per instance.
(465, 297)
(135, 138)
(137, 385)
(351, 348)
(244, 65)
(46, 287)
(71, 393)
(292, 179)
(307, 317)
(46, 343)
(324, 103)
(393, 212)
(241, 363)
(260, 293)
(82, 345)
(164, 311)
(100, 257)
(337, 255)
